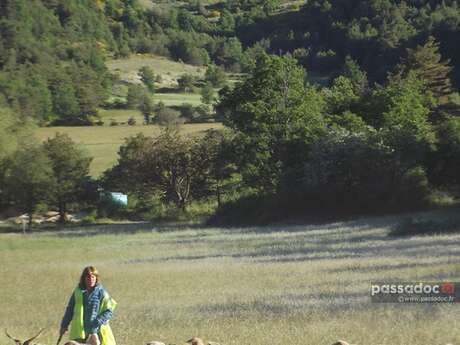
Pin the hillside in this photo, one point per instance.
(127, 69)
(322, 33)
(55, 51)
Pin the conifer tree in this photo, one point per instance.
(427, 61)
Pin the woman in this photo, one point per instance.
(89, 310)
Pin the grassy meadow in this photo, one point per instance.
(103, 142)
(295, 285)
(171, 99)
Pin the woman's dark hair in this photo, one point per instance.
(86, 272)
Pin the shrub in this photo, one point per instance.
(187, 112)
(249, 210)
(258, 210)
(186, 82)
(202, 113)
(168, 117)
(89, 219)
(149, 207)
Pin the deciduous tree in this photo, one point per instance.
(277, 118)
(29, 179)
(70, 167)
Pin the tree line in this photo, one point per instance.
(296, 148)
(290, 148)
(54, 51)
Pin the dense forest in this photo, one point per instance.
(345, 106)
(54, 50)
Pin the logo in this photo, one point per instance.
(448, 288)
(414, 292)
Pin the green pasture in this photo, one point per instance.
(171, 99)
(120, 115)
(296, 285)
(102, 142)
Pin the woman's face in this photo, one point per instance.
(90, 281)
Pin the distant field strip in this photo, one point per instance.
(170, 99)
(295, 285)
(102, 143)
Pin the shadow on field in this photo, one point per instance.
(385, 249)
(315, 226)
(388, 267)
(321, 243)
(325, 303)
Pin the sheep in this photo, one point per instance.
(154, 342)
(195, 341)
(199, 341)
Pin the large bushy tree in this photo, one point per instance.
(29, 179)
(70, 168)
(216, 153)
(167, 166)
(404, 124)
(277, 118)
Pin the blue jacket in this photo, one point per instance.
(91, 303)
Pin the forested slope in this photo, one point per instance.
(53, 51)
(322, 33)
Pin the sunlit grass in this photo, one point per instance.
(170, 99)
(120, 115)
(102, 143)
(284, 285)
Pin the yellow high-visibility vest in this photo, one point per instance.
(77, 329)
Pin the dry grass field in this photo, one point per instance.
(296, 285)
(103, 142)
(169, 70)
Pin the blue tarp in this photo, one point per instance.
(115, 198)
(119, 198)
